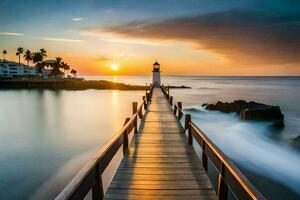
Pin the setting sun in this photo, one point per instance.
(115, 67)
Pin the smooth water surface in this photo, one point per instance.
(47, 136)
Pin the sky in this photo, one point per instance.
(188, 37)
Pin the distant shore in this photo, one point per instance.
(71, 85)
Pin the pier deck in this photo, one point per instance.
(159, 163)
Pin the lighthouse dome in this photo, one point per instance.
(156, 63)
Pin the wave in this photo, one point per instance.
(251, 146)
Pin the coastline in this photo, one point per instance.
(56, 84)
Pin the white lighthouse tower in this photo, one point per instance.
(156, 74)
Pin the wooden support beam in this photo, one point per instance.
(222, 189)
(188, 127)
(145, 102)
(134, 110)
(179, 104)
(134, 107)
(97, 189)
(171, 100)
(125, 137)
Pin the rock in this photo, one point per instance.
(296, 141)
(179, 87)
(251, 111)
(263, 113)
(278, 124)
(204, 105)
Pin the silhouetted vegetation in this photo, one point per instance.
(4, 54)
(20, 51)
(58, 67)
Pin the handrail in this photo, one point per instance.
(89, 177)
(177, 108)
(229, 176)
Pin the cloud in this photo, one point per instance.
(77, 19)
(103, 58)
(241, 36)
(61, 39)
(11, 33)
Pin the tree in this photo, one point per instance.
(65, 67)
(74, 72)
(4, 53)
(56, 66)
(28, 56)
(20, 51)
(40, 67)
(37, 57)
(37, 60)
(43, 53)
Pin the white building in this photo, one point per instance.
(9, 69)
(156, 74)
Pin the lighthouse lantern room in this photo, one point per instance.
(156, 74)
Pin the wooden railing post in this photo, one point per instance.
(179, 104)
(188, 127)
(125, 137)
(175, 109)
(97, 189)
(171, 100)
(147, 96)
(144, 102)
(222, 189)
(204, 157)
(134, 110)
(140, 113)
(167, 94)
(134, 107)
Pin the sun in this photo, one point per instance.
(114, 67)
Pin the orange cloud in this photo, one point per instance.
(243, 37)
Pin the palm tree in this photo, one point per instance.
(28, 56)
(65, 67)
(56, 66)
(37, 59)
(20, 51)
(74, 72)
(4, 53)
(43, 53)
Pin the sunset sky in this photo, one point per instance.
(196, 37)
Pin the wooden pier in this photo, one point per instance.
(160, 161)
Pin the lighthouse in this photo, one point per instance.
(156, 74)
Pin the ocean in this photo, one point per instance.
(47, 136)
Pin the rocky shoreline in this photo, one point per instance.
(250, 111)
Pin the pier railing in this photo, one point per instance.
(229, 176)
(89, 177)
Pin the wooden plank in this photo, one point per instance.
(138, 197)
(161, 160)
(160, 186)
(155, 193)
(167, 177)
(145, 171)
